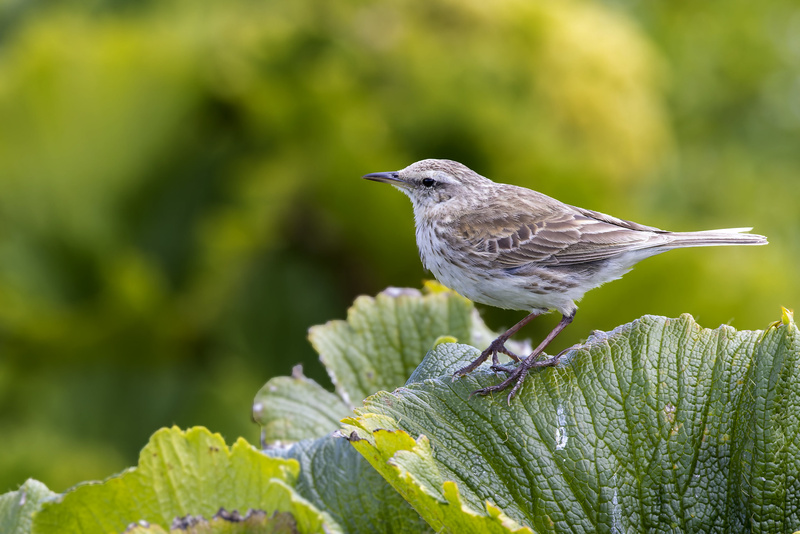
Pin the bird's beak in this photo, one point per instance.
(391, 178)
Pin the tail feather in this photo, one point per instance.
(712, 238)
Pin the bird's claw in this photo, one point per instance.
(533, 363)
(516, 376)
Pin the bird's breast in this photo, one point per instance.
(430, 250)
(469, 273)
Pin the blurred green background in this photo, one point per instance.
(180, 192)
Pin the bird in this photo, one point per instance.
(514, 248)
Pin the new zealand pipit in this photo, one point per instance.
(514, 248)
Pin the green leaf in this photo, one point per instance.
(336, 478)
(378, 347)
(180, 474)
(400, 323)
(660, 424)
(385, 338)
(766, 438)
(445, 359)
(18, 507)
(411, 469)
(296, 408)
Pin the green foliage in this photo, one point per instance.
(659, 423)
(334, 477)
(179, 189)
(18, 507)
(412, 470)
(400, 325)
(181, 474)
(397, 324)
(277, 404)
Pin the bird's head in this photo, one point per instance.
(433, 181)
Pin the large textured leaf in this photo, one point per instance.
(381, 343)
(296, 408)
(336, 478)
(660, 425)
(181, 474)
(412, 470)
(17, 507)
(400, 325)
(386, 337)
(377, 348)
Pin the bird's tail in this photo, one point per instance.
(713, 238)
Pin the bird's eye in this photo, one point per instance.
(428, 182)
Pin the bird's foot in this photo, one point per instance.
(550, 361)
(495, 347)
(501, 369)
(517, 375)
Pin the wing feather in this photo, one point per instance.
(549, 234)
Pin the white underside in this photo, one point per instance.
(510, 291)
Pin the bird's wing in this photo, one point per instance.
(557, 235)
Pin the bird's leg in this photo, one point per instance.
(517, 376)
(498, 345)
